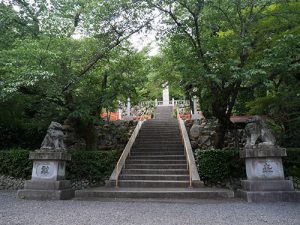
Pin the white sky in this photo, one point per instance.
(141, 40)
(138, 40)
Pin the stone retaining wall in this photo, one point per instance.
(11, 183)
(112, 135)
(202, 135)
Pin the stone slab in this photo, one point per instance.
(30, 194)
(264, 168)
(157, 193)
(263, 151)
(269, 196)
(41, 155)
(267, 185)
(47, 185)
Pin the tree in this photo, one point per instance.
(224, 40)
(49, 70)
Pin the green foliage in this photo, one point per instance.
(219, 166)
(21, 136)
(46, 74)
(232, 51)
(292, 162)
(15, 163)
(94, 166)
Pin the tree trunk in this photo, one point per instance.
(90, 137)
(221, 132)
(220, 111)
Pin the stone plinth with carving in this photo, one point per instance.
(264, 168)
(48, 172)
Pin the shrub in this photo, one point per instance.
(94, 166)
(221, 166)
(15, 163)
(217, 167)
(291, 163)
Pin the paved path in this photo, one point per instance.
(209, 212)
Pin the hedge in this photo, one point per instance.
(291, 163)
(94, 166)
(221, 166)
(15, 163)
(215, 166)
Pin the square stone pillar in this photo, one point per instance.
(48, 177)
(128, 108)
(265, 177)
(166, 95)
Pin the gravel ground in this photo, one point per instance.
(76, 212)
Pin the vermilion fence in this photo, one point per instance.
(112, 115)
(115, 116)
(185, 116)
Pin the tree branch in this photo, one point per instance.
(100, 55)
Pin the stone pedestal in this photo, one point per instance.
(48, 177)
(265, 177)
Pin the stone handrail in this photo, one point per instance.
(193, 171)
(121, 162)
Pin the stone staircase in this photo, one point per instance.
(157, 158)
(156, 166)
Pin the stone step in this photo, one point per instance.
(156, 153)
(158, 136)
(148, 148)
(160, 162)
(160, 139)
(161, 142)
(154, 136)
(153, 183)
(159, 157)
(150, 137)
(158, 148)
(155, 171)
(171, 122)
(154, 193)
(160, 130)
(156, 166)
(159, 133)
(158, 145)
(154, 177)
(162, 125)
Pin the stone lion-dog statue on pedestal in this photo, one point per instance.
(54, 139)
(258, 134)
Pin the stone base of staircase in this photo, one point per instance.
(154, 193)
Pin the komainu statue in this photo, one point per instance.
(258, 134)
(54, 139)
